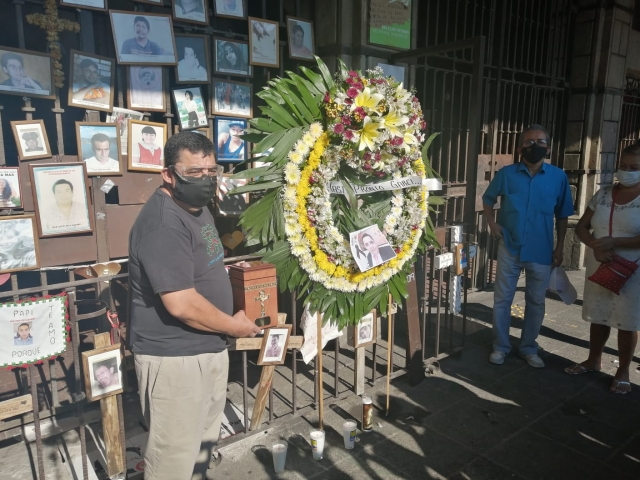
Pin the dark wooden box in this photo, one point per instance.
(255, 290)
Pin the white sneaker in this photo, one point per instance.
(497, 357)
(534, 360)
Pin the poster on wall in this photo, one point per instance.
(390, 23)
(32, 331)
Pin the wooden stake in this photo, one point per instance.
(389, 349)
(262, 396)
(111, 422)
(320, 382)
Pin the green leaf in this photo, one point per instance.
(252, 187)
(280, 115)
(252, 172)
(296, 103)
(311, 102)
(266, 125)
(316, 79)
(326, 74)
(268, 142)
(253, 137)
(342, 302)
(427, 143)
(437, 200)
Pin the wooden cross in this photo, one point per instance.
(51, 23)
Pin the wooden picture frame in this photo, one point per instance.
(225, 151)
(222, 10)
(206, 131)
(38, 65)
(191, 112)
(24, 252)
(199, 18)
(124, 24)
(264, 42)
(274, 353)
(365, 332)
(185, 72)
(295, 26)
(230, 205)
(229, 98)
(99, 5)
(224, 52)
(91, 138)
(99, 366)
(151, 79)
(61, 182)
(135, 132)
(92, 94)
(31, 131)
(10, 189)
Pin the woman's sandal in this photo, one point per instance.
(579, 369)
(620, 387)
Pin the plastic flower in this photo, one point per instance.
(366, 99)
(369, 134)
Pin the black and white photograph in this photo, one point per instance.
(92, 81)
(31, 139)
(146, 146)
(301, 41)
(10, 193)
(230, 8)
(264, 46)
(98, 148)
(232, 57)
(88, 4)
(61, 198)
(146, 92)
(370, 248)
(121, 116)
(143, 38)
(232, 98)
(190, 107)
(193, 55)
(18, 244)
(102, 372)
(191, 11)
(229, 146)
(274, 345)
(231, 205)
(26, 73)
(365, 330)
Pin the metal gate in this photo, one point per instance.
(630, 118)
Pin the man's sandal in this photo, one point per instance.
(620, 387)
(579, 369)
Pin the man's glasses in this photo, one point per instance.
(541, 141)
(197, 172)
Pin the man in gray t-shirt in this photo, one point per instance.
(181, 313)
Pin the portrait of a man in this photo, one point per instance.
(230, 147)
(274, 345)
(98, 147)
(92, 82)
(144, 38)
(65, 212)
(101, 161)
(300, 38)
(370, 248)
(33, 142)
(13, 66)
(31, 139)
(106, 374)
(141, 44)
(23, 72)
(103, 372)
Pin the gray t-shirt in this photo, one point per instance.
(171, 249)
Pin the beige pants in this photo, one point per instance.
(182, 401)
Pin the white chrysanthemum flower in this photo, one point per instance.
(291, 228)
(295, 157)
(298, 248)
(308, 140)
(315, 129)
(302, 148)
(292, 173)
(396, 211)
(391, 221)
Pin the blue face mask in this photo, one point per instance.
(628, 179)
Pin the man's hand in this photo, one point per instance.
(603, 256)
(496, 230)
(243, 327)
(604, 243)
(558, 256)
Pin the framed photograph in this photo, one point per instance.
(151, 2)
(231, 98)
(365, 332)
(10, 193)
(232, 57)
(301, 40)
(102, 370)
(190, 107)
(206, 131)
(264, 42)
(121, 116)
(194, 62)
(231, 205)
(99, 148)
(192, 11)
(143, 38)
(88, 4)
(229, 146)
(146, 89)
(230, 8)
(19, 244)
(146, 146)
(274, 345)
(26, 73)
(61, 198)
(31, 139)
(92, 81)
(370, 247)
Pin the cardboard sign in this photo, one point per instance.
(32, 331)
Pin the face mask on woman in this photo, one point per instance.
(628, 179)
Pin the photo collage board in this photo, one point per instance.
(170, 63)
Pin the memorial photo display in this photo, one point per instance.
(264, 45)
(230, 8)
(102, 372)
(146, 146)
(229, 146)
(190, 107)
(142, 37)
(232, 98)
(146, 88)
(232, 57)
(274, 345)
(10, 192)
(31, 139)
(301, 42)
(191, 11)
(18, 244)
(194, 63)
(99, 147)
(92, 81)
(26, 73)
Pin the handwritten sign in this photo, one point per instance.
(390, 23)
(32, 331)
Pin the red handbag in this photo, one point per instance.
(613, 274)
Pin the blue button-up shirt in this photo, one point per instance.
(528, 206)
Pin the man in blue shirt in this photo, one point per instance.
(532, 193)
(140, 44)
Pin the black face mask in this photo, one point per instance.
(196, 192)
(534, 154)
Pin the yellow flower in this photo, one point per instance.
(369, 134)
(393, 120)
(366, 100)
